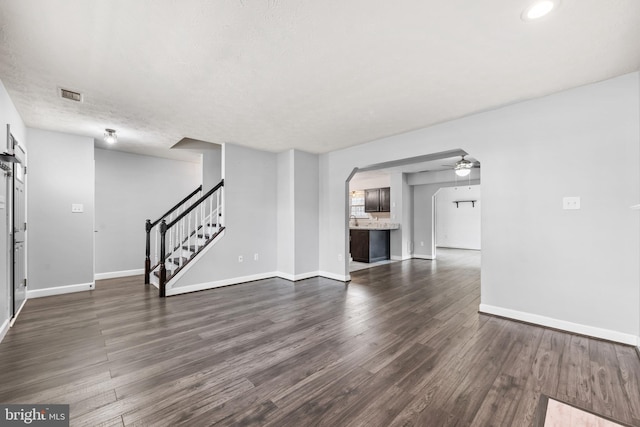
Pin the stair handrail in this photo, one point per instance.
(195, 204)
(177, 205)
(149, 226)
(164, 228)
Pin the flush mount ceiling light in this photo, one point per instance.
(538, 10)
(110, 136)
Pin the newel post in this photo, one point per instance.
(147, 254)
(163, 270)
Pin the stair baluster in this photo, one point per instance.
(188, 218)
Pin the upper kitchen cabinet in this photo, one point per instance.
(385, 199)
(372, 200)
(377, 200)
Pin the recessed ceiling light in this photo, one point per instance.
(538, 9)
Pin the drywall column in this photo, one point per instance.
(402, 213)
(297, 214)
(61, 174)
(211, 166)
(286, 215)
(306, 206)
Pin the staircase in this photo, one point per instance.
(183, 232)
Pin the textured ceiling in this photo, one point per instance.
(312, 75)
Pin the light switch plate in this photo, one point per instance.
(571, 203)
(77, 208)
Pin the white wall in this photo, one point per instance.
(458, 226)
(129, 189)
(60, 243)
(250, 186)
(8, 115)
(533, 153)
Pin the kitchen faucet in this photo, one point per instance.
(356, 220)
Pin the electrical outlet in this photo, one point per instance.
(256, 257)
(339, 257)
(77, 208)
(240, 258)
(421, 243)
(571, 203)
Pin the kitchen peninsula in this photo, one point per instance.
(370, 240)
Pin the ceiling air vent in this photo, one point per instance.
(69, 94)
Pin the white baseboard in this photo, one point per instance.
(429, 257)
(296, 277)
(18, 312)
(218, 283)
(59, 290)
(577, 328)
(244, 279)
(4, 329)
(338, 277)
(324, 274)
(400, 257)
(117, 274)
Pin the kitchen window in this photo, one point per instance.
(357, 204)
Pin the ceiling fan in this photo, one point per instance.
(463, 167)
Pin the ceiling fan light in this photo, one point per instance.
(110, 136)
(463, 171)
(538, 9)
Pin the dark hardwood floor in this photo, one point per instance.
(401, 345)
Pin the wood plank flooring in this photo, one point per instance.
(401, 345)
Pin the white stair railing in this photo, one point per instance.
(153, 232)
(197, 223)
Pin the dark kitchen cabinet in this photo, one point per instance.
(377, 200)
(372, 200)
(385, 199)
(370, 245)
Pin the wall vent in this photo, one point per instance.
(69, 94)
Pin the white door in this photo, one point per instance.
(19, 271)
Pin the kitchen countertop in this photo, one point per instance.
(375, 226)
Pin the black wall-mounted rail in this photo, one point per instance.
(473, 202)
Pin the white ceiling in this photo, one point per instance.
(312, 75)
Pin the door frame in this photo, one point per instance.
(15, 145)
